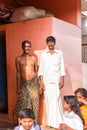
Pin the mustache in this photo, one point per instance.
(27, 50)
(51, 45)
(51, 48)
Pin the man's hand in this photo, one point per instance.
(64, 127)
(41, 89)
(61, 83)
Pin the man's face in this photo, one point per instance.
(27, 123)
(27, 48)
(50, 45)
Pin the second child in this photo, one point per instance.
(72, 117)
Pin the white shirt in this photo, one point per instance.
(51, 66)
(73, 120)
(21, 128)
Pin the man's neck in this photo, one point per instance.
(51, 51)
(24, 54)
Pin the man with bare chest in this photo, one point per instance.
(27, 81)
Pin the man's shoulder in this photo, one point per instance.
(58, 51)
(18, 58)
(34, 56)
(45, 52)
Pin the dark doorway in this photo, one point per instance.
(3, 75)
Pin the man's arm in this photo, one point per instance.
(18, 75)
(61, 83)
(62, 70)
(36, 70)
(64, 127)
(40, 73)
(42, 87)
(36, 64)
(41, 82)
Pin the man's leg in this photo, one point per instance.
(53, 108)
(34, 95)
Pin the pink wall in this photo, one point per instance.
(35, 31)
(68, 40)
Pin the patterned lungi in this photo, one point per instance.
(28, 97)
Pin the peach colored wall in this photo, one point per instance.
(35, 31)
(68, 39)
(69, 10)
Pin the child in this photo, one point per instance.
(72, 117)
(81, 94)
(27, 118)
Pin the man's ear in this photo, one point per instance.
(19, 121)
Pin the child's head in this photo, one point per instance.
(81, 94)
(70, 103)
(26, 118)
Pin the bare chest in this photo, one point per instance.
(28, 61)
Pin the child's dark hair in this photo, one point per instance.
(50, 38)
(73, 102)
(26, 113)
(83, 92)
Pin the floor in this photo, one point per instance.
(10, 126)
(6, 125)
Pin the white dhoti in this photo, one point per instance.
(53, 102)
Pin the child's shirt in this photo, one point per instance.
(73, 120)
(34, 127)
(83, 109)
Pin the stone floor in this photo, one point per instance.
(6, 125)
(10, 126)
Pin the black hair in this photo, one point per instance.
(83, 92)
(24, 42)
(50, 38)
(26, 113)
(74, 105)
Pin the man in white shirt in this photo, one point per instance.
(51, 74)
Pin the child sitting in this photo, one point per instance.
(72, 117)
(27, 118)
(81, 94)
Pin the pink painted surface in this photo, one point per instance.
(36, 31)
(68, 40)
